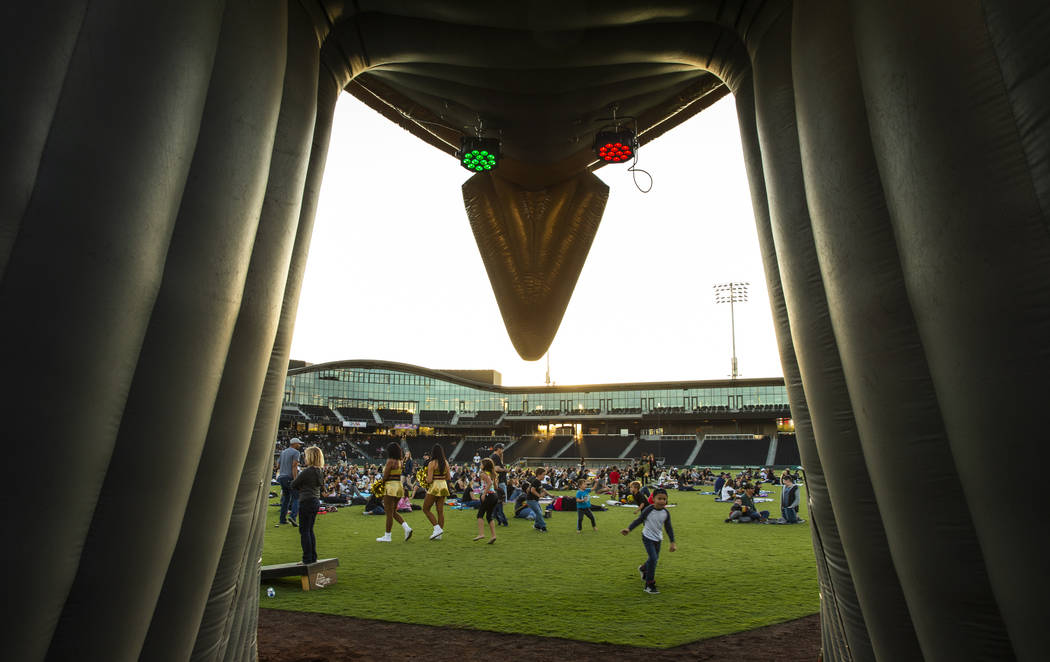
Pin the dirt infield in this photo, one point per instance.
(289, 636)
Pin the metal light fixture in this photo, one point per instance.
(732, 293)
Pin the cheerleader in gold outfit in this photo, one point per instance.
(393, 491)
(437, 479)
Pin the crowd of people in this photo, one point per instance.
(309, 484)
(743, 492)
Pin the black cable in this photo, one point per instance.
(634, 170)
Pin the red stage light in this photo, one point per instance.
(615, 146)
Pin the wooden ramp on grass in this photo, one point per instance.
(320, 574)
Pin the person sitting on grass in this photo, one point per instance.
(624, 491)
(736, 511)
(514, 489)
(461, 483)
(728, 490)
(374, 506)
(521, 509)
(789, 501)
(467, 500)
(639, 495)
(533, 492)
(748, 500)
(404, 504)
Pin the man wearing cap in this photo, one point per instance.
(287, 470)
(501, 485)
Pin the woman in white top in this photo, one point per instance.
(727, 491)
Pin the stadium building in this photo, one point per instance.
(710, 423)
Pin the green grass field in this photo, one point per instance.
(724, 578)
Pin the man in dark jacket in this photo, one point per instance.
(748, 500)
(719, 484)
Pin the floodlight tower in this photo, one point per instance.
(732, 293)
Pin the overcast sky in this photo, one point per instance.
(394, 272)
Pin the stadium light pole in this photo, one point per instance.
(732, 293)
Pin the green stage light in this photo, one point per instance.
(479, 154)
(479, 159)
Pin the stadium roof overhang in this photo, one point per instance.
(541, 76)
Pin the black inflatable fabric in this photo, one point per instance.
(161, 166)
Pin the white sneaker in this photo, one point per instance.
(408, 531)
(436, 535)
(383, 538)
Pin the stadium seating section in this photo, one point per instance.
(356, 414)
(762, 409)
(603, 445)
(787, 450)
(673, 451)
(716, 452)
(393, 416)
(540, 413)
(525, 447)
(319, 413)
(420, 446)
(432, 418)
(558, 442)
(666, 410)
(486, 418)
(481, 447)
(291, 415)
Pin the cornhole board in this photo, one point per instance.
(314, 575)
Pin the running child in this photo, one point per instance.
(583, 505)
(656, 519)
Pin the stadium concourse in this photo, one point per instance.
(355, 407)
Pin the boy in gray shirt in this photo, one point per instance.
(656, 519)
